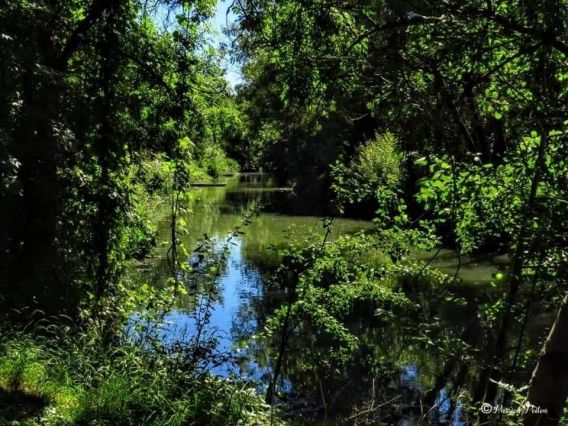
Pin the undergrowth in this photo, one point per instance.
(83, 380)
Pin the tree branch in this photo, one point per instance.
(75, 39)
(404, 22)
(547, 37)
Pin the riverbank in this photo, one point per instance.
(245, 296)
(213, 346)
(59, 379)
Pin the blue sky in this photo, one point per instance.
(220, 21)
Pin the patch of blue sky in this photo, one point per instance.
(222, 19)
(215, 38)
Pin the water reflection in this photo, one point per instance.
(391, 362)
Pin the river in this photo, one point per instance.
(237, 302)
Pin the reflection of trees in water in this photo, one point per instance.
(396, 359)
(254, 262)
(393, 361)
(251, 315)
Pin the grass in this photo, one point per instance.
(74, 380)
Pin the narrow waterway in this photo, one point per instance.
(236, 303)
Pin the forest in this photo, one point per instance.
(367, 226)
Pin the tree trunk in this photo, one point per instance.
(30, 273)
(34, 233)
(548, 387)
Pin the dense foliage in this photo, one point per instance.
(96, 99)
(445, 119)
(444, 122)
(105, 108)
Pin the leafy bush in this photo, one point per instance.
(484, 202)
(215, 162)
(335, 282)
(377, 165)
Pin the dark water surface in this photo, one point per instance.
(240, 299)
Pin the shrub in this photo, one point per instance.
(83, 381)
(377, 165)
(215, 162)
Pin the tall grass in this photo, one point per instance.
(79, 379)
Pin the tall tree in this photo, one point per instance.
(548, 388)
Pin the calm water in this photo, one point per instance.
(239, 300)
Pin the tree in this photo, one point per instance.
(548, 388)
(83, 105)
